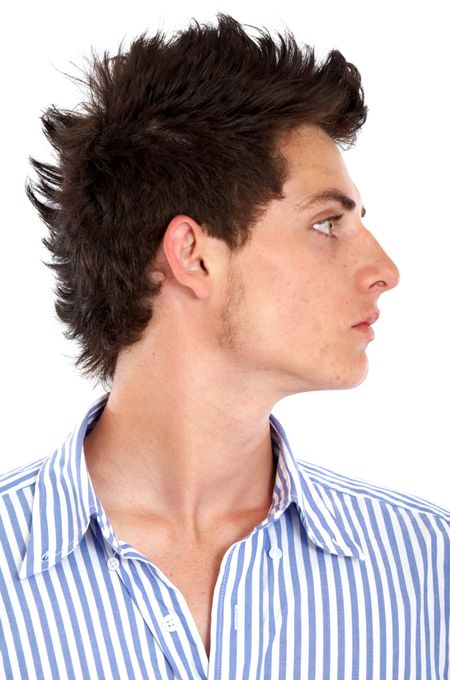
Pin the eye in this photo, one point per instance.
(329, 224)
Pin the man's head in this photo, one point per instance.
(282, 309)
(195, 140)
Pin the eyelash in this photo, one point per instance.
(332, 218)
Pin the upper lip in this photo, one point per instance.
(369, 320)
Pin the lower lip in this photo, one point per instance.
(365, 328)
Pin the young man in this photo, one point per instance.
(212, 260)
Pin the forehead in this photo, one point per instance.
(301, 143)
(314, 162)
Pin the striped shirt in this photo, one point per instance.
(342, 580)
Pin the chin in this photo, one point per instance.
(348, 377)
(355, 378)
(340, 376)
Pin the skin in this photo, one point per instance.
(184, 440)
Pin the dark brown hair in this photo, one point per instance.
(186, 125)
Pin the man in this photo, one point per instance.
(174, 534)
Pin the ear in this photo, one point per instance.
(188, 252)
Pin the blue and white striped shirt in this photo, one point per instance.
(343, 580)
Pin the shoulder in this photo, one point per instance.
(363, 490)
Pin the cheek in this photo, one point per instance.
(293, 288)
(303, 295)
(284, 305)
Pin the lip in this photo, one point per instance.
(365, 325)
(365, 328)
(368, 320)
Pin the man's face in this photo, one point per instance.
(294, 293)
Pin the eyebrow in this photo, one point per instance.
(330, 195)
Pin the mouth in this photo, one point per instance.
(365, 326)
(369, 320)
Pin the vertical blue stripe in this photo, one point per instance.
(234, 633)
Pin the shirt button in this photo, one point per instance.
(113, 564)
(170, 623)
(275, 553)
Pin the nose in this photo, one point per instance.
(383, 272)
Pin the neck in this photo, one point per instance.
(192, 455)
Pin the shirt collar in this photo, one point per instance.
(65, 502)
(294, 485)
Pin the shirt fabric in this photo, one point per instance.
(342, 580)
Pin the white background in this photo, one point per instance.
(393, 429)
